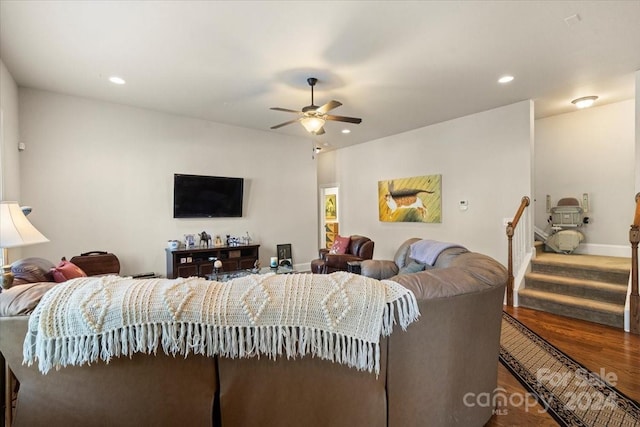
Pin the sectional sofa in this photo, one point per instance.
(431, 374)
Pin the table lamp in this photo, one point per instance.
(15, 231)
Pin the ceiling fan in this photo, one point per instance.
(313, 117)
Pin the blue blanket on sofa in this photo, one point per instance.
(427, 251)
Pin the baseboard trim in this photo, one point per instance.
(302, 268)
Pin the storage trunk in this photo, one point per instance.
(97, 262)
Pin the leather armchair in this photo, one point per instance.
(360, 249)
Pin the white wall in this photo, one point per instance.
(100, 177)
(9, 165)
(590, 151)
(484, 158)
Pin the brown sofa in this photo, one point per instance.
(359, 249)
(429, 375)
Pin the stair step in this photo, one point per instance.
(588, 267)
(571, 306)
(591, 289)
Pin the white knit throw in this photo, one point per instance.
(338, 317)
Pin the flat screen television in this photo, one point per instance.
(198, 196)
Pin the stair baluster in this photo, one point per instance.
(634, 298)
(511, 226)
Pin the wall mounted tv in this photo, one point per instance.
(198, 196)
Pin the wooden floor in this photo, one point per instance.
(602, 349)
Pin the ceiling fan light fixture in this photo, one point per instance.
(312, 124)
(584, 102)
(313, 117)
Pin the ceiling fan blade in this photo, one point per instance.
(343, 119)
(320, 131)
(284, 124)
(328, 106)
(286, 110)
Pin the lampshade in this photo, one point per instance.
(15, 228)
(312, 124)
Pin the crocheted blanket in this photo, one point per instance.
(338, 317)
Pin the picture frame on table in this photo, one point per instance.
(284, 255)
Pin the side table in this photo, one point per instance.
(8, 384)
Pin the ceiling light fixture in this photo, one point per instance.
(312, 123)
(313, 117)
(584, 102)
(345, 131)
(505, 79)
(117, 80)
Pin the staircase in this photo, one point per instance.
(586, 287)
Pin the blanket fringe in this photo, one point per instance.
(408, 312)
(188, 338)
(179, 338)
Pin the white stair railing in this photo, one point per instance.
(519, 246)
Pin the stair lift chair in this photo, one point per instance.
(565, 219)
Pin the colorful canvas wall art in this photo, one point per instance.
(330, 232)
(330, 208)
(415, 199)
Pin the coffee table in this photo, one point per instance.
(224, 276)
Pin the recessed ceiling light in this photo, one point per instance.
(346, 131)
(505, 79)
(117, 80)
(584, 102)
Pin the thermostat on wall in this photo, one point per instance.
(585, 202)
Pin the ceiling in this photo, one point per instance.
(397, 65)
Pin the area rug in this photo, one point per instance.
(569, 392)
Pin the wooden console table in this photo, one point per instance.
(198, 261)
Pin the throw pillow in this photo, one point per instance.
(21, 300)
(340, 245)
(66, 271)
(412, 267)
(32, 270)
